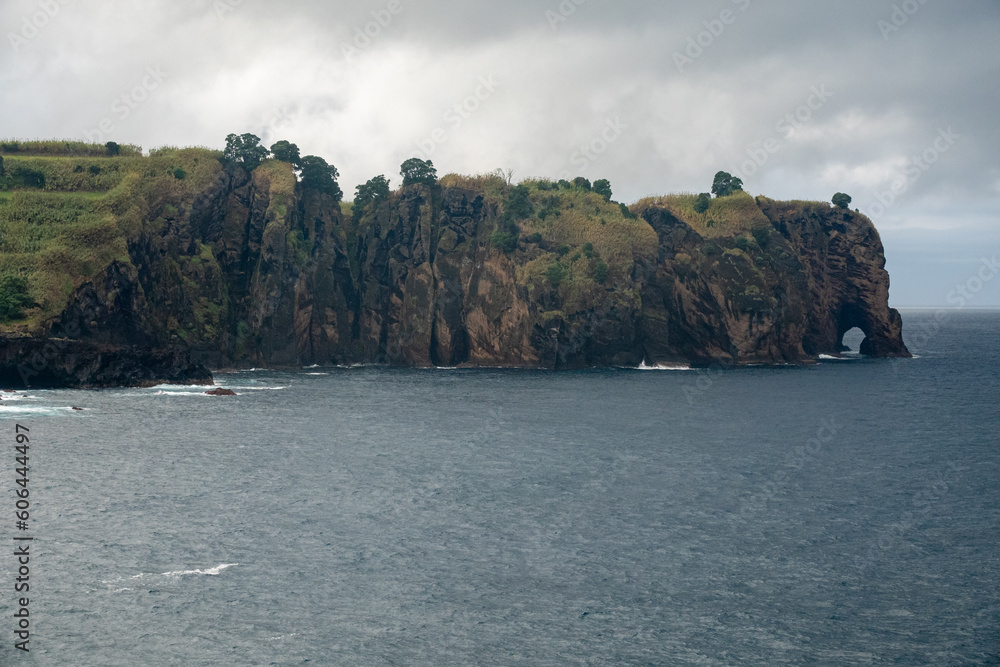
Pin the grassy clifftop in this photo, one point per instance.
(68, 210)
(65, 216)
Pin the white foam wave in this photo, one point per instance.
(663, 367)
(180, 393)
(183, 387)
(212, 571)
(317, 373)
(49, 411)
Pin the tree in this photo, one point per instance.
(13, 298)
(285, 151)
(318, 175)
(726, 184)
(702, 203)
(555, 274)
(600, 272)
(416, 170)
(519, 205)
(1, 165)
(113, 148)
(840, 200)
(244, 151)
(603, 188)
(375, 191)
(581, 182)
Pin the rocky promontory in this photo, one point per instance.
(231, 267)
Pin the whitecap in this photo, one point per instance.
(317, 373)
(47, 411)
(212, 571)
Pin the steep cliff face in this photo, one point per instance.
(785, 292)
(256, 270)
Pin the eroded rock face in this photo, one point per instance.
(61, 363)
(240, 278)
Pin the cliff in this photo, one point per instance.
(226, 268)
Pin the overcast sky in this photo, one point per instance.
(801, 98)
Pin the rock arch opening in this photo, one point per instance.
(850, 340)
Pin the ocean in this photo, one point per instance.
(846, 513)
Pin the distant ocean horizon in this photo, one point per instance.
(843, 513)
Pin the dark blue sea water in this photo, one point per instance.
(841, 514)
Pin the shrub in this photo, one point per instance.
(588, 250)
(505, 240)
(762, 236)
(564, 184)
(603, 188)
(113, 149)
(581, 182)
(600, 272)
(94, 169)
(702, 203)
(710, 249)
(180, 174)
(742, 243)
(627, 212)
(13, 298)
(535, 238)
(563, 250)
(519, 205)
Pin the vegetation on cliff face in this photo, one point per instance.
(249, 256)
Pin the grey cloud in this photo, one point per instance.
(239, 66)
